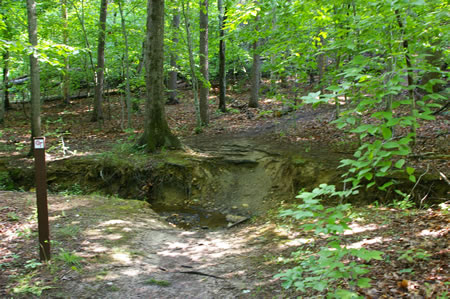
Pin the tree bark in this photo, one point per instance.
(3, 90)
(6, 57)
(255, 77)
(127, 66)
(222, 58)
(157, 134)
(97, 114)
(66, 79)
(192, 64)
(141, 59)
(80, 17)
(5, 99)
(34, 73)
(204, 66)
(173, 74)
(408, 71)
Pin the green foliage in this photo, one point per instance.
(74, 189)
(32, 264)
(6, 182)
(404, 203)
(414, 254)
(162, 283)
(12, 216)
(26, 285)
(70, 259)
(335, 263)
(69, 231)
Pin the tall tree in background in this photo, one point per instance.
(156, 132)
(194, 80)
(66, 79)
(6, 57)
(127, 65)
(255, 76)
(4, 101)
(204, 66)
(34, 72)
(222, 70)
(173, 73)
(98, 97)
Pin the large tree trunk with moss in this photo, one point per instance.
(222, 71)
(98, 97)
(204, 66)
(156, 132)
(34, 73)
(173, 74)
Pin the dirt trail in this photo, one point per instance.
(128, 251)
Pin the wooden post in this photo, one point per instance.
(41, 197)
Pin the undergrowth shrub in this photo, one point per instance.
(336, 269)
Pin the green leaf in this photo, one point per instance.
(320, 285)
(345, 294)
(410, 170)
(361, 129)
(427, 116)
(388, 184)
(368, 255)
(368, 176)
(400, 163)
(412, 178)
(418, 2)
(387, 133)
(391, 144)
(364, 282)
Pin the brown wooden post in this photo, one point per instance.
(41, 197)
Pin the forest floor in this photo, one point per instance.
(110, 248)
(113, 248)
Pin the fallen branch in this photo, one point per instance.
(444, 177)
(193, 272)
(430, 156)
(237, 223)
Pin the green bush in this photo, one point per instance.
(334, 264)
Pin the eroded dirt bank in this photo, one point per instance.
(235, 175)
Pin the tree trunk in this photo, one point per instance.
(34, 73)
(127, 66)
(255, 77)
(66, 79)
(204, 67)
(141, 59)
(80, 17)
(408, 71)
(6, 57)
(156, 132)
(273, 74)
(321, 64)
(3, 90)
(173, 74)
(5, 99)
(97, 114)
(192, 64)
(222, 57)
